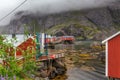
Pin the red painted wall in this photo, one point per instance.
(29, 43)
(114, 57)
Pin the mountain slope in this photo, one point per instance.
(95, 24)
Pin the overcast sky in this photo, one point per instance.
(47, 6)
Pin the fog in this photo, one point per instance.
(47, 6)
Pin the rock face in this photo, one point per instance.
(92, 24)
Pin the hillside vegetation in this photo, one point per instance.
(92, 24)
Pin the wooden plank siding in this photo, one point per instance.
(114, 57)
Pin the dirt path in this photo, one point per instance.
(78, 74)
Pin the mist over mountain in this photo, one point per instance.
(87, 24)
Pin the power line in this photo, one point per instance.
(12, 10)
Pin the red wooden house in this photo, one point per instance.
(22, 44)
(113, 55)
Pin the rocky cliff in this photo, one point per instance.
(92, 24)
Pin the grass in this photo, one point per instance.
(88, 31)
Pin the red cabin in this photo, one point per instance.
(29, 43)
(113, 55)
(22, 44)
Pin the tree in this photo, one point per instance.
(11, 67)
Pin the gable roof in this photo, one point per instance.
(20, 38)
(114, 35)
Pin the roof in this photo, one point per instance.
(111, 37)
(20, 38)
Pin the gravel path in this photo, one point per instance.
(78, 74)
